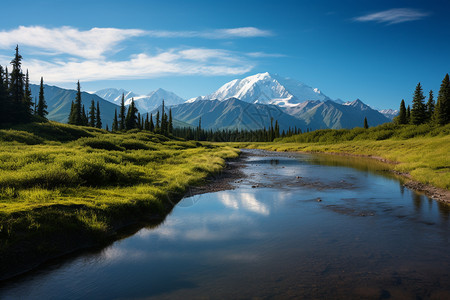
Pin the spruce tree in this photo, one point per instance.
(418, 111)
(170, 121)
(131, 119)
(152, 126)
(122, 113)
(430, 106)
(16, 88)
(84, 118)
(366, 125)
(72, 114)
(98, 120)
(408, 115)
(76, 115)
(115, 125)
(157, 128)
(27, 101)
(401, 119)
(92, 114)
(442, 109)
(147, 123)
(41, 109)
(4, 100)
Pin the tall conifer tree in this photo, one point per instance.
(418, 111)
(131, 119)
(122, 113)
(41, 109)
(430, 107)
(16, 88)
(98, 120)
(92, 114)
(442, 109)
(27, 101)
(401, 119)
(115, 124)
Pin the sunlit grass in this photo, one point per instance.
(60, 178)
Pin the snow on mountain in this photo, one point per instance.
(389, 113)
(266, 88)
(144, 103)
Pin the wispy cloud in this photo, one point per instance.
(263, 54)
(240, 32)
(394, 16)
(91, 44)
(176, 62)
(66, 54)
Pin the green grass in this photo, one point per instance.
(86, 181)
(422, 151)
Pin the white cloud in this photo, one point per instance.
(90, 44)
(66, 54)
(394, 16)
(240, 32)
(263, 54)
(195, 61)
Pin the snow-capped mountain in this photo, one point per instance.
(144, 103)
(266, 88)
(389, 113)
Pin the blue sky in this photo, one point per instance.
(373, 50)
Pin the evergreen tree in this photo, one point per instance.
(442, 109)
(418, 111)
(122, 113)
(98, 120)
(401, 119)
(27, 101)
(72, 114)
(16, 89)
(84, 118)
(115, 124)
(163, 120)
(92, 114)
(41, 109)
(131, 119)
(152, 126)
(430, 107)
(76, 115)
(170, 121)
(157, 128)
(366, 125)
(107, 128)
(5, 112)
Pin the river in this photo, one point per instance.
(297, 226)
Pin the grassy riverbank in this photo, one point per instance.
(63, 187)
(421, 151)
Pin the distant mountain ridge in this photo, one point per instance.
(266, 88)
(144, 103)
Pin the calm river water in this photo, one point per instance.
(298, 226)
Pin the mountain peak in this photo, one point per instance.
(266, 88)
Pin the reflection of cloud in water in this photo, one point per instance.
(246, 201)
(115, 254)
(215, 227)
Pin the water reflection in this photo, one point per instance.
(367, 237)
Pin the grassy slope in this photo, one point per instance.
(422, 151)
(62, 186)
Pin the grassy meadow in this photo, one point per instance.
(422, 151)
(62, 185)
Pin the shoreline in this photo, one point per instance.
(435, 193)
(126, 227)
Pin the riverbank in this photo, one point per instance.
(423, 162)
(66, 188)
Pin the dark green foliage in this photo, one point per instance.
(152, 126)
(122, 113)
(408, 115)
(84, 118)
(430, 107)
(418, 111)
(401, 119)
(115, 124)
(134, 145)
(170, 122)
(98, 120)
(76, 112)
(41, 109)
(366, 125)
(131, 121)
(27, 102)
(442, 109)
(100, 144)
(5, 110)
(92, 114)
(157, 127)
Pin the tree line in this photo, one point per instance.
(431, 112)
(78, 116)
(16, 103)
